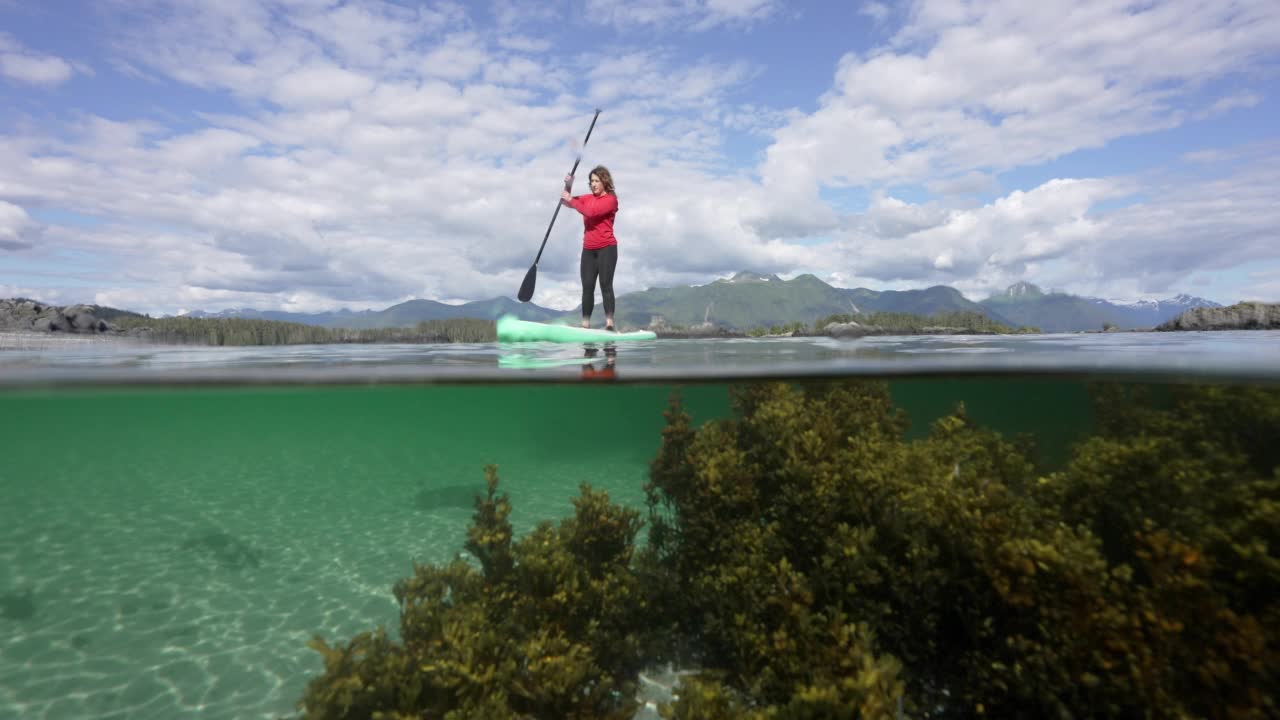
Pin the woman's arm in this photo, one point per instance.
(565, 198)
(593, 207)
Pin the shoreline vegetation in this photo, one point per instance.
(22, 315)
(804, 559)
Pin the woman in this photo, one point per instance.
(599, 247)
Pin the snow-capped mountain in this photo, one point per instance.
(1026, 304)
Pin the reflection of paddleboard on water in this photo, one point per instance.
(512, 329)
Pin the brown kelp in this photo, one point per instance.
(549, 626)
(811, 562)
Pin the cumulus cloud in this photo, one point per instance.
(377, 152)
(431, 174)
(982, 86)
(1158, 234)
(896, 240)
(17, 229)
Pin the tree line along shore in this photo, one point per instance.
(25, 315)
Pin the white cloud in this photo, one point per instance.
(319, 85)
(433, 175)
(377, 152)
(897, 241)
(21, 64)
(695, 15)
(969, 183)
(1231, 102)
(755, 120)
(663, 82)
(892, 218)
(524, 43)
(877, 11)
(460, 57)
(994, 85)
(17, 229)
(512, 16)
(1163, 232)
(368, 34)
(1205, 225)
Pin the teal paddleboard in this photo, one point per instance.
(513, 329)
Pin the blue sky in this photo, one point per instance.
(308, 155)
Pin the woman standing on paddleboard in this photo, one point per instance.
(599, 247)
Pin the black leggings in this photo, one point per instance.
(598, 263)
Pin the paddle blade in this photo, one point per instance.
(526, 287)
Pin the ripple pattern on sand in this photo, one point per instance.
(140, 617)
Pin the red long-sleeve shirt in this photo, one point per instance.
(597, 219)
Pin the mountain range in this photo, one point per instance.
(401, 315)
(1025, 304)
(749, 300)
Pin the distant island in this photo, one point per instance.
(1241, 316)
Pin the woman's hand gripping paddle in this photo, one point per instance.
(531, 277)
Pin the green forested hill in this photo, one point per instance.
(749, 300)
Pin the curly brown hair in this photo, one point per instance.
(606, 179)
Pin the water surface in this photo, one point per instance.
(177, 522)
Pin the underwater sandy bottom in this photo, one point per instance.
(197, 599)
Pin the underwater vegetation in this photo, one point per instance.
(552, 625)
(809, 562)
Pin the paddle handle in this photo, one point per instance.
(566, 187)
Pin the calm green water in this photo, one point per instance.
(167, 552)
(177, 523)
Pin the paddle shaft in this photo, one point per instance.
(566, 187)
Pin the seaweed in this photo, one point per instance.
(805, 560)
(548, 626)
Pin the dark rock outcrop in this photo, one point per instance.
(1241, 316)
(22, 314)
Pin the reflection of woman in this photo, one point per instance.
(599, 247)
(591, 372)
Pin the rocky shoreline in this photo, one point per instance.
(23, 315)
(1241, 316)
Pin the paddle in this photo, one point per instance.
(531, 277)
